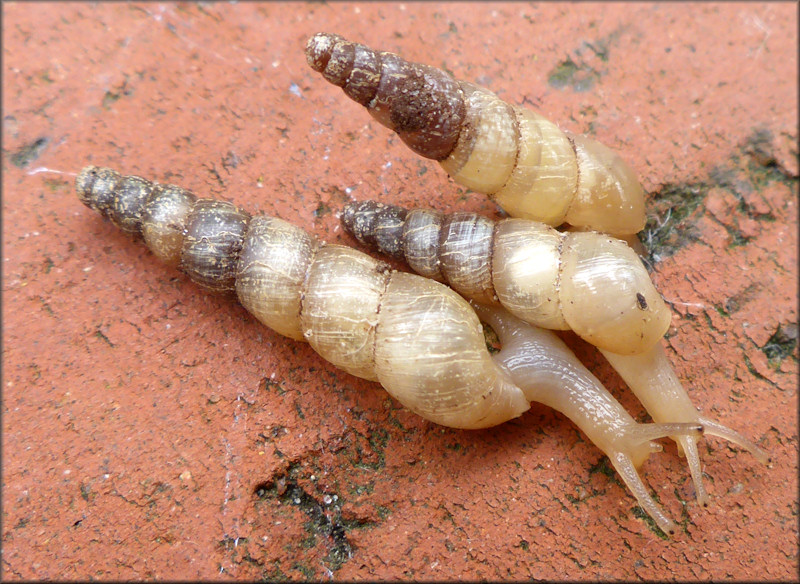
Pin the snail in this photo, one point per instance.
(588, 282)
(583, 281)
(533, 171)
(524, 162)
(419, 339)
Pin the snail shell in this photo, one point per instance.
(419, 339)
(588, 282)
(524, 162)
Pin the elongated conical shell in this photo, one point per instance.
(588, 282)
(526, 272)
(526, 164)
(420, 339)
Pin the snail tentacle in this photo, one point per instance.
(654, 382)
(544, 368)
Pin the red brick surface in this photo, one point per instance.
(153, 431)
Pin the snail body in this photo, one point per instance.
(584, 281)
(419, 339)
(520, 159)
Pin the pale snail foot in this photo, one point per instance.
(544, 368)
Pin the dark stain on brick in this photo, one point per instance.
(781, 344)
(29, 152)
